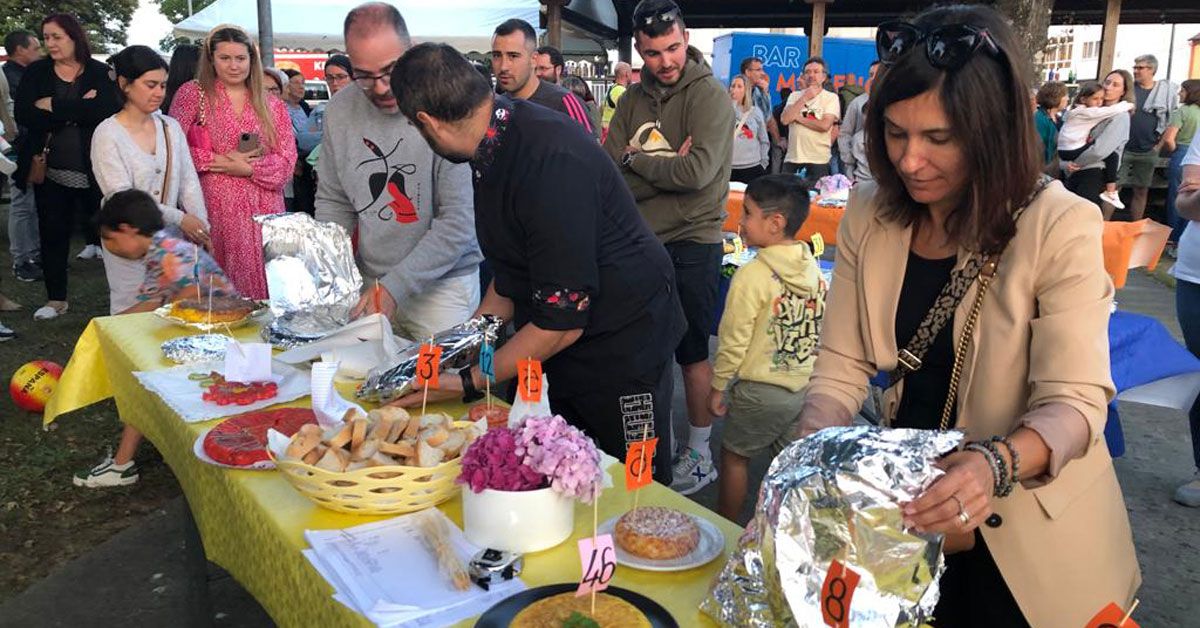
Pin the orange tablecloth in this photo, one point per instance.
(823, 220)
(1126, 244)
(1131, 245)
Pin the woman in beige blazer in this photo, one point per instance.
(951, 140)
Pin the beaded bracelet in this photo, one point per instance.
(991, 460)
(1004, 487)
(1012, 453)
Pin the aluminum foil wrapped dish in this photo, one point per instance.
(460, 347)
(312, 278)
(198, 348)
(835, 496)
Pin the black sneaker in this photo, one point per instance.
(28, 271)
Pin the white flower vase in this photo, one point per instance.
(517, 521)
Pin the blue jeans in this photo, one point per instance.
(1174, 178)
(1187, 308)
(23, 226)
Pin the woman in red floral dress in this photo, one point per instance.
(224, 103)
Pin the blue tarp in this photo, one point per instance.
(1141, 350)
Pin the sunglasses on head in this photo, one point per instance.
(666, 17)
(947, 47)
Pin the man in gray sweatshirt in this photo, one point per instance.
(409, 211)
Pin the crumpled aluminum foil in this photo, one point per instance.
(198, 348)
(460, 347)
(312, 278)
(836, 495)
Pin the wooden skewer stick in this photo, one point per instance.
(425, 395)
(642, 466)
(377, 298)
(1129, 613)
(210, 288)
(596, 535)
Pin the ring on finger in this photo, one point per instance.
(963, 516)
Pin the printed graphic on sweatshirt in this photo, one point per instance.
(794, 327)
(387, 183)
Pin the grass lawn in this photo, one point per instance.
(45, 520)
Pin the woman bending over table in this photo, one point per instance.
(1035, 524)
(243, 146)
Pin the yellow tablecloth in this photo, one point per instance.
(252, 522)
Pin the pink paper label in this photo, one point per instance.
(597, 560)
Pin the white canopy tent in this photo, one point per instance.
(317, 24)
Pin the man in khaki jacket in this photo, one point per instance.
(672, 137)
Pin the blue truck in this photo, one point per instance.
(784, 56)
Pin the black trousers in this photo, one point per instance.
(974, 593)
(746, 175)
(59, 208)
(617, 415)
(1087, 183)
(812, 173)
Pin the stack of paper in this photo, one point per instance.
(385, 572)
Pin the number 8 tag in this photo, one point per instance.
(836, 593)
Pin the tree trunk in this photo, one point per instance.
(1031, 21)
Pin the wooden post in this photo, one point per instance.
(816, 35)
(1108, 38)
(553, 22)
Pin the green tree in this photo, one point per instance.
(1031, 20)
(104, 20)
(177, 10)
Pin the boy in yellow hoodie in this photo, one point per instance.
(768, 334)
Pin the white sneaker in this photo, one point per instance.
(692, 472)
(1112, 198)
(6, 333)
(90, 251)
(49, 311)
(107, 473)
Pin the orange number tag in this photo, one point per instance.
(529, 380)
(638, 464)
(836, 593)
(1110, 617)
(428, 362)
(598, 560)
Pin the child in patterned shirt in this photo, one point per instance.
(131, 227)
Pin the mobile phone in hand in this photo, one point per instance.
(248, 142)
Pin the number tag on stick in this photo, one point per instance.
(1111, 616)
(638, 465)
(428, 362)
(836, 593)
(598, 561)
(529, 380)
(487, 357)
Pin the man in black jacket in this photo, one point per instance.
(23, 48)
(588, 287)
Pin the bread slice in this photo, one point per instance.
(428, 456)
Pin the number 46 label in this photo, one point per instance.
(836, 594)
(598, 560)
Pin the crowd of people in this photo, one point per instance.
(596, 230)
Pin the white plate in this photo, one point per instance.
(198, 449)
(164, 312)
(711, 545)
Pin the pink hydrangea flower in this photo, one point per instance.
(563, 454)
(492, 462)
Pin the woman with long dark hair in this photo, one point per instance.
(978, 284)
(61, 100)
(243, 147)
(184, 63)
(1085, 173)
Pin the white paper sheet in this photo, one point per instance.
(247, 362)
(383, 571)
(360, 345)
(185, 396)
(328, 405)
